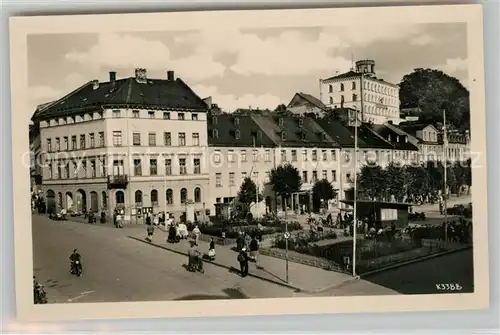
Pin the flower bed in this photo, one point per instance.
(335, 252)
(231, 229)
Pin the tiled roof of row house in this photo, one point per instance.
(344, 135)
(412, 127)
(291, 131)
(395, 136)
(129, 92)
(227, 130)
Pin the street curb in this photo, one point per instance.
(387, 268)
(230, 268)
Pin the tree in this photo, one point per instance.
(451, 178)
(433, 91)
(435, 172)
(468, 174)
(371, 181)
(285, 180)
(323, 190)
(395, 178)
(248, 193)
(281, 108)
(418, 185)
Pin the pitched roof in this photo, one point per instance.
(413, 127)
(384, 131)
(311, 99)
(226, 127)
(344, 135)
(354, 74)
(297, 134)
(349, 74)
(154, 93)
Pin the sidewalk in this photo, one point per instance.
(452, 201)
(302, 278)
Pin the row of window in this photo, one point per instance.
(378, 88)
(368, 98)
(153, 115)
(231, 181)
(430, 136)
(89, 141)
(118, 114)
(315, 155)
(169, 196)
(63, 144)
(153, 167)
(167, 139)
(90, 169)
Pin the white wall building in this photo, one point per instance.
(128, 143)
(360, 89)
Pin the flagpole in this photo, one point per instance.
(445, 165)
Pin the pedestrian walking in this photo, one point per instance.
(150, 230)
(240, 241)
(156, 220)
(243, 260)
(211, 250)
(148, 219)
(197, 233)
(254, 249)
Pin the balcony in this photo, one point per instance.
(118, 181)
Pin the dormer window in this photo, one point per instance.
(236, 122)
(301, 122)
(215, 133)
(323, 136)
(406, 139)
(214, 120)
(237, 134)
(259, 134)
(397, 139)
(280, 121)
(303, 136)
(283, 136)
(389, 137)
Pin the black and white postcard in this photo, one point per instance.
(249, 162)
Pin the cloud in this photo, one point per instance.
(46, 93)
(229, 102)
(363, 35)
(74, 80)
(125, 51)
(454, 65)
(423, 40)
(289, 53)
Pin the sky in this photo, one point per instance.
(243, 68)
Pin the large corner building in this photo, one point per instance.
(126, 143)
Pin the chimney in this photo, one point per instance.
(170, 75)
(112, 76)
(95, 84)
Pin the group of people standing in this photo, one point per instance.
(248, 249)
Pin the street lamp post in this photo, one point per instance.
(445, 166)
(355, 197)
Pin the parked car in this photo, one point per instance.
(459, 210)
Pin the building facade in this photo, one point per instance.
(431, 144)
(362, 90)
(126, 144)
(306, 104)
